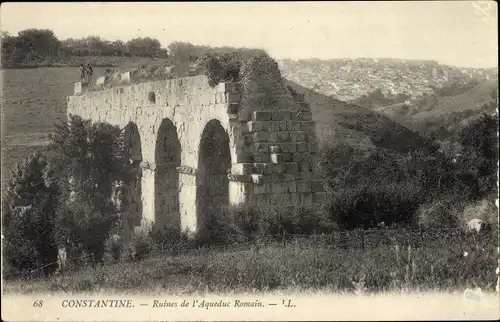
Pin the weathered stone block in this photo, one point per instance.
(277, 115)
(284, 136)
(278, 187)
(226, 87)
(233, 97)
(244, 158)
(306, 126)
(302, 147)
(293, 125)
(306, 198)
(289, 147)
(306, 176)
(239, 177)
(283, 125)
(304, 186)
(261, 116)
(277, 158)
(285, 198)
(233, 108)
(304, 116)
(317, 186)
(303, 106)
(258, 168)
(294, 198)
(303, 166)
(254, 126)
(279, 168)
(262, 157)
(319, 197)
(301, 136)
(261, 147)
(242, 168)
(258, 178)
(273, 137)
(291, 167)
(260, 136)
(264, 188)
(292, 186)
(274, 126)
(262, 199)
(274, 149)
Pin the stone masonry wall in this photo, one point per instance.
(272, 151)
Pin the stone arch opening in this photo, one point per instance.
(167, 159)
(214, 162)
(132, 185)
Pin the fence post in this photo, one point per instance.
(422, 236)
(363, 239)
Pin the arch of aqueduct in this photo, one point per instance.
(194, 147)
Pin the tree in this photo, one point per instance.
(39, 44)
(94, 159)
(30, 205)
(480, 142)
(144, 47)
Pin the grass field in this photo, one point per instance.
(32, 100)
(298, 264)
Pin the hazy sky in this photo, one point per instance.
(462, 33)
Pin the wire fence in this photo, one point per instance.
(365, 240)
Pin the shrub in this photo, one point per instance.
(443, 213)
(367, 207)
(140, 247)
(30, 204)
(250, 222)
(83, 225)
(169, 240)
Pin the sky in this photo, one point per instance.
(461, 33)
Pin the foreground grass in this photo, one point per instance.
(297, 267)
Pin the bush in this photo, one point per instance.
(169, 240)
(249, 222)
(443, 213)
(141, 246)
(29, 207)
(367, 207)
(82, 225)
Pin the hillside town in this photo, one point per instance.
(348, 79)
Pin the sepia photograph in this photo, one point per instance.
(249, 161)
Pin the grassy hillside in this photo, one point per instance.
(466, 106)
(32, 100)
(473, 99)
(338, 121)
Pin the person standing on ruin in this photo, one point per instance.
(90, 71)
(83, 71)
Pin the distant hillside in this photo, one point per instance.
(337, 121)
(440, 116)
(349, 79)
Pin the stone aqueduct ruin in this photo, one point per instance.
(195, 146)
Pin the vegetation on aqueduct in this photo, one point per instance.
(277, 246)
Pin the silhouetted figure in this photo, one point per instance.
(90, 71)
(83, 72)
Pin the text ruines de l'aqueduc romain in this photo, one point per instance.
(159, 304)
